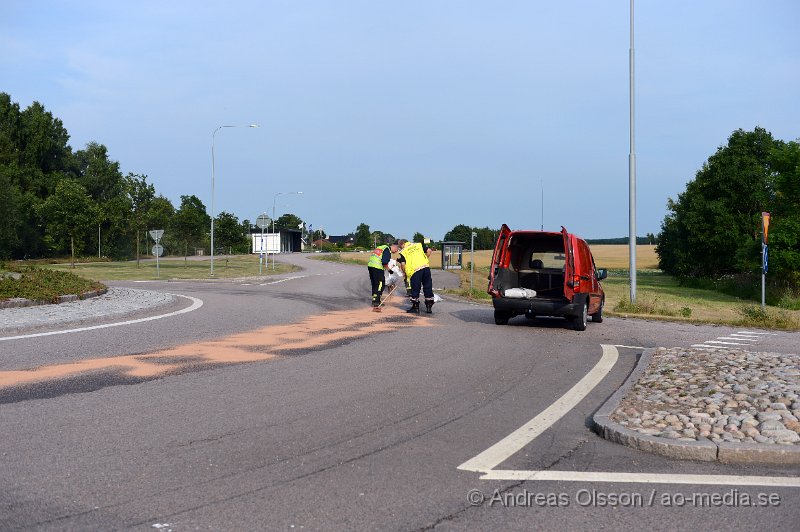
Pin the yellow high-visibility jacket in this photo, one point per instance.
(416, 258)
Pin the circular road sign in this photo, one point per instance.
(262, 221)
(158, 250)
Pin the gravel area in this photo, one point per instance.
(116, 302)
(721, 395)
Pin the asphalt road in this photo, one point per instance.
(288, 405)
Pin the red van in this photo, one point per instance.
(539, 273)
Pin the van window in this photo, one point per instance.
(547, 259)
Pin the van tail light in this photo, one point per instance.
(575, 283)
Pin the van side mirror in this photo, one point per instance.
(602, 273)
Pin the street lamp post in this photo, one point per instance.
(472, 262)
(632, 173)
(213, 139)
(273, 221)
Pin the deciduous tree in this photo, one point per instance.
(714, 226)
(190, 222)
(69, 215)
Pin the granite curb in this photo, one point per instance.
(706, 451)
(18, 302)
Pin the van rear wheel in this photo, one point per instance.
(581, 320)
(501, 317)
(598, 316)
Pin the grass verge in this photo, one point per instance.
(175, 268)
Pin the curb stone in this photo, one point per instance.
(702, 450)
(17, 302)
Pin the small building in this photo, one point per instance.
(452, 255)
(344, 240)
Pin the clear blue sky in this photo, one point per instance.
(410, 116)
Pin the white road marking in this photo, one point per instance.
(502, 450)
(196, 304)
(709, 346)
(283, 280)
(758, 333)
(737, 338)
(630, 346)
(486, 461)
(723, 343)
(644, 478)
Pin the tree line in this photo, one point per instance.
(714, 228)
(55, 201)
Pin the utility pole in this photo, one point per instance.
(632, 174)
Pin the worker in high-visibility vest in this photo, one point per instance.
(378, 264)
(418, 272)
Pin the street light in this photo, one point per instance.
(472, 263)
(213, 139)
(273, 221)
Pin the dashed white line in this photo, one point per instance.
(196, 304)
(708, 346)
(723, 343)
(283, 280)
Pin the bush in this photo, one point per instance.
(755, 316)
(41, 284)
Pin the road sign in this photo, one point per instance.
(262, 221)
(267, 243)
(158, 250)
(156, 234)
(766, 259)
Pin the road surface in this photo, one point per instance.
(287, 404)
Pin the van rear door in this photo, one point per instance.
(569, 265)
(499, 251)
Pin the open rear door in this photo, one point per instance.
(569, 265)
(497, 256)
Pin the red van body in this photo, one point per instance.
(540, 273)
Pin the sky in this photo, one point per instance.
(411, 116)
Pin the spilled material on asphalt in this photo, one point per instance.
(315, 333)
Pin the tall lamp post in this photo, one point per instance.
(472, 262)
(632, 174)
(213, 139)
(273, 221)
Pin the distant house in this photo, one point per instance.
(344, 240)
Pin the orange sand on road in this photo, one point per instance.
(312, 333)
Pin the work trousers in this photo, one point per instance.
(376, 278)
(421, 279)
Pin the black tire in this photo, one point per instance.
(598, 316)
(501, 317)
(579, 322)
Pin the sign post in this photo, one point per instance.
(263, 222)
(764, 256)
(158, 249)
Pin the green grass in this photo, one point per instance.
(661, 296)
(42, 284)
(174, 268)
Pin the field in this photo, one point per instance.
(658, 296)
(610, 257)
